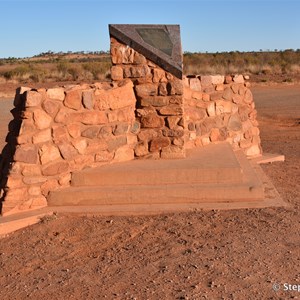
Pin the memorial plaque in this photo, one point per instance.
(159, 43)
(157, 38)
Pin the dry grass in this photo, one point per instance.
(50, 67)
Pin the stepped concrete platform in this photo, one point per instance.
(208, 176)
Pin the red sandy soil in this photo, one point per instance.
(238, 254)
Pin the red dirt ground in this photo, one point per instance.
(238, 254)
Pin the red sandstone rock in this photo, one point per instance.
(248, 97)
(41, 119)
(103, 156)
(175, 87)
(116, 143)
(124, 154)
(227, 94)
(171, 110)
(73, 99)
(31, 170)
(32, 99)
(74, 130)
(195, 84)
(55, 168)
(48, 153)
(155, 101)
(173, 122)
(67, 151)
(116, 73)
(59, 133)
(88, 99)
(148, 134)
(159, 143)
(56, 94)
(42, 136)
(49, 185)
(238, 79)
(173, 132)
(141, 149)
(136, 71)
(91, 132)
(159, 75)
(146, 90)
(152, 120)
(93, 117)
(51, 107)
(235, 123)
(34, 190)
(27, 154)
(80, 144)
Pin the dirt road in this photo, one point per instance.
(238, 254)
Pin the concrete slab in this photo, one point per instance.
(212, 164)
(214, 174)
(267, 158)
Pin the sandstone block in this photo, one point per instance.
(42, 136)
(159, 75)
(116, 73)
(48, 153)
(73, 99)
(31, 170)
(94, 118)
(14, 182)
(65, 179)
(135, 127)
(88, 99)
(55, 168)
(121, 54)
(81, 162)
(156, 101)
(41, 119)
(217, 79)
(238, 99)
(24, 139)
(173, 122)
(205, 141)
(178, 141)
(141, 149)
(223, 106)
(63, 115)
(80, 144)
(195, 114)
(228, 79)
(173, 132)
(159, 143)
(32, 98)
(121, 128)
(238, 79)
(105, 132)
(171, 110)
(51, 107)
(48, 186)
(248, 97)
(235, 123)
(34, 190)
(116, 98)
(173, 152)
(146, 135)
(205, 97)
(26, 153)
(220, 87)
(19, 96)
(227, 94)
(124, 154)
(195, 84)
(211, 109)
(162, 89)
(67, 151)
(74, 130)
(136, 71)
(34, 180)
(197, 95)
(91, 132)
(254, 150)
(56, 94)
(104, 156)
(216, 96)
(59, 133)
(175, 87)
(95, 146)
(245, 143)
(139, 59)
(146, 90)
(152, 120)
(116, 143)
(206, 80)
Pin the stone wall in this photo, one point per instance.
(159, 103)
(61, 130)
(218, 109)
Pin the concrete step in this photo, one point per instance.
(201, 178)
(212, 164)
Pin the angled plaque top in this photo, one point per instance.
(159, 43)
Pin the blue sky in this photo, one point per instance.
(31, 27)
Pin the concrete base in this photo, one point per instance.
(207, 177)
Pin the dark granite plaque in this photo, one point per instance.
(159, 43)
(157, 38)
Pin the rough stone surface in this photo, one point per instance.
(41, 119)
(73, 99)
(56, 94)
